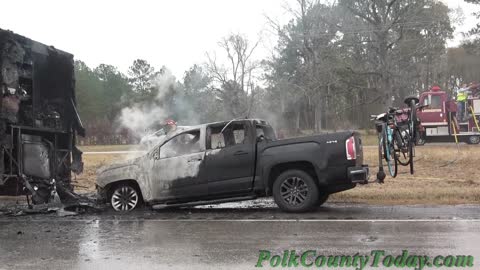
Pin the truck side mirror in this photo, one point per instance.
(260, 138)
(156, 154)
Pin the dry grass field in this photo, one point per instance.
(106, 148)
(444, 175)
(85, 182)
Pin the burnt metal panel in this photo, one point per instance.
(36, 157)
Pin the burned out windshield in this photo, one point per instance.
(186, 143)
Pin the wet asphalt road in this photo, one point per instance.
(229, 236)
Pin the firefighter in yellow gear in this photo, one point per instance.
(461, 100)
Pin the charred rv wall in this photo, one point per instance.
(38, 116)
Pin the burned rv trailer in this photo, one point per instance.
(38, 120)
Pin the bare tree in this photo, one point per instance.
(235, 81)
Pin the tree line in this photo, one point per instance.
(334, 64)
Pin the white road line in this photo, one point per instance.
(112, 152)
(255, 220)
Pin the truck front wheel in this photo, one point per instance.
(125, 197)
(295, 191)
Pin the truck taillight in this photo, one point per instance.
(350, 148)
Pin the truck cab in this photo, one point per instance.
(439, 121)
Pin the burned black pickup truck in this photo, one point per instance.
(234, 161)
(38, 120)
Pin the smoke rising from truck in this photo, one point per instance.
(143, 118)
(171, 101)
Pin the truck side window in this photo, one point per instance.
(217, 141)
(436, 102)
(232, 135)
(183, 144)
(433, 101)
(266, 131)
(239, 135)
(426, 101)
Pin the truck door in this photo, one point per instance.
(229, 158)
(434, 118)
(435, 114)
(176, 168)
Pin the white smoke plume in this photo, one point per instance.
(142, 118)
(163, 82)
(139, 118)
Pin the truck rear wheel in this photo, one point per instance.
(295, 191)
(473, 140)
(420, 141)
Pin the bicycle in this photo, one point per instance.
(386, 150)
(413, 123)
(402, 136)
(397, 135)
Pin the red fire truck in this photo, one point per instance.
(439, 122)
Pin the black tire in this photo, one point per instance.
(420, 139)
(411, 149)
(413, 132)
(385, 143)
(392, 163)
(473, 140)
(125, 197)
(395, 168)
(412, 123)
(322, 198)
(301, 199)
(399, 143)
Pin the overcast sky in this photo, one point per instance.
(174, 33)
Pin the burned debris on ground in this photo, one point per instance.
(85, 203)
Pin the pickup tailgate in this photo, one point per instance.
(345, 157)
(344, 148)
(358, 173)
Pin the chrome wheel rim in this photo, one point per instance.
(474, 139)
(124, 199)
(294, 191)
